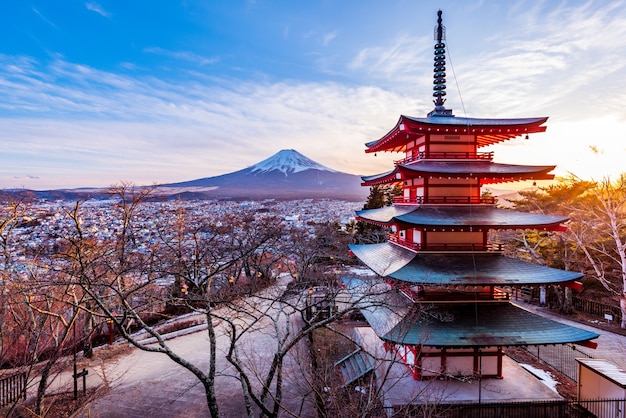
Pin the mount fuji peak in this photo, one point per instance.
(285, 175)
(288, 161)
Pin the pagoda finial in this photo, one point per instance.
(439, 75)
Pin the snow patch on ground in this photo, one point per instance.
(361, 271)
(545, 377)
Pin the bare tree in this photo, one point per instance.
(598, 228)
(209, 261)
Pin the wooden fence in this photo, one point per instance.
(601, 408)
(599, 309)
(12, 389)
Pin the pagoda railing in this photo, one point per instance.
(415, 247)
(483, 156)
(458, 200)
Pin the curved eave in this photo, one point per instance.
(489, 217)
(487, 131)
(442, 324)
(386, 215)
(487, 172)
(475, 216)
(383, 178)
(481, 325)
(427, 168)
(389, 260)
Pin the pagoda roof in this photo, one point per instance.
(488, 171)
(459, 269)
(459, 216)
(456, 325)
(483, 325)
(488, 131)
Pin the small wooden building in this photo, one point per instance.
(600, 379)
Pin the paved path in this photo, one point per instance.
(142, 384)
(611, 346)
(145, 384)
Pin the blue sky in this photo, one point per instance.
(98, 92)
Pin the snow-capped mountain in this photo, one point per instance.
(288, 161)
(285, 175)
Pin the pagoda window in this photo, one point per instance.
(452, 146)
(414, 182)
(417, 236)
(402, 234)
(431, 364)
(491, 362)
(453, 181)
(409, 356)
(458, 195)
(455, 238)
(467, 140)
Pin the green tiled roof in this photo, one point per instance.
(456, 324)
(451, 216)
(456, 269)
(481, 324)
(463, 168)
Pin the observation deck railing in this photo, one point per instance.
(415, 247)
(483, 156)
(437, 200)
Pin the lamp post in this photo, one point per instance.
(110, 322)
(84, 372)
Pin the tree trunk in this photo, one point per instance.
(43, 385)
(622, 305)
(209, 384)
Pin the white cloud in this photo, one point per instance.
(328, 38)
(97, 8)
(74, 125)
(108, 127)
(45, 19)
(182, 55)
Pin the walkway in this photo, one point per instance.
(142, 384)
(611, 346)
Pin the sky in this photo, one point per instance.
(93, 93)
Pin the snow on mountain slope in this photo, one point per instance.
(287, 161)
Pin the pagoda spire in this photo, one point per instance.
(439, 73)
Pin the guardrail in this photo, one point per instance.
(483, 156)
(413, 246)
(457, 200)
(12, 389)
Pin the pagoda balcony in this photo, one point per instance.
(415, 247)
(481, 156)
(451, 200)
(418, 293)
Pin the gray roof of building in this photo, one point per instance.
(606, 369)
(469, 215)
(474, 269)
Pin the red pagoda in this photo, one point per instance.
(447, 308)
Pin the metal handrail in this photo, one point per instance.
(483, 156)
(419, 200)
(416, 247)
